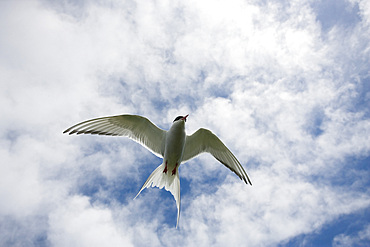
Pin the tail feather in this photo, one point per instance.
(170, 183)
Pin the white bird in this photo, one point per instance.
(174, 146)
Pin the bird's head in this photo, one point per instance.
(179, 118)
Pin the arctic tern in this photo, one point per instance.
(174, 146)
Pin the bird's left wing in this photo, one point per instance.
(204, 140)
(137, 128)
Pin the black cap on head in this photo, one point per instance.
(179, 118)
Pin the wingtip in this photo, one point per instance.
(68, 131)
(247, 180)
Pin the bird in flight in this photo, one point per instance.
(174, 146)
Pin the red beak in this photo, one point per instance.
(184, 118)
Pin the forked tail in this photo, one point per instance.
(170, 183)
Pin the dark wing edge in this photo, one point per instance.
(204, 140)
(137, 128)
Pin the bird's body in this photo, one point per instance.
(174, 146)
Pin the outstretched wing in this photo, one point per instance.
(137, 128)
(204, 140)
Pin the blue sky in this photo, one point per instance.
(284, 84)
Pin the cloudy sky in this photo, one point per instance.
(285, 85)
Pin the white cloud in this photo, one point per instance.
(280, 91)
(77, 223)
(359, 240)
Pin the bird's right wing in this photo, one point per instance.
(204, 140)
(137, 128)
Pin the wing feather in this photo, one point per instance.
(204, 140)
(137, 128)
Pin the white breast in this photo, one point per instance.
(175, 143)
